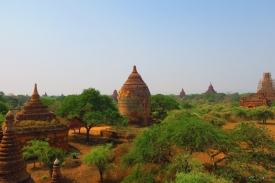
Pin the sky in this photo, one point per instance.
(66, 46)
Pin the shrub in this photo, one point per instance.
(215, 121)
(44, 177)
(74, 155)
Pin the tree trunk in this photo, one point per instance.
(50, 170)
(101, 176)
(88, 134)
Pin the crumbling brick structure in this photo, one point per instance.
(264, 96)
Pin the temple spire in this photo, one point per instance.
(35, 89)
(134, 69)
(9, 122)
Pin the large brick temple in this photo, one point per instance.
(264, 96)
(36, 122)
(134, 100)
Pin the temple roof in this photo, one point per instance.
(134, 78)
(34, 109)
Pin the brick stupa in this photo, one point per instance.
(134, 99)
(13, 168)
(264, 96)
(56, 175)
(36, 122)
(210, 89)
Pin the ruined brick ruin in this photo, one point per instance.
(134, 99)
(36, 122)
(13, 168)
(210, 89)
(265, 94)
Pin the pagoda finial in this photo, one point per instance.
(9, 122)
(35, 89)
(134, 69)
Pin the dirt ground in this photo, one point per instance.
(82, 173)
(85, 174)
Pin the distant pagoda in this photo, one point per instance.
(13, 168)
(37, 122)
(45, 95)
(114, 96)
(265, 93)
(210, 89)
(182, 94)
(134, 99)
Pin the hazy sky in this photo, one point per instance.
(67, 46)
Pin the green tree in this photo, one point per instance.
(215, 121)
(263, 113)
(3, 108)
(23, 99)
(151, 146)
(138, 176)
(194, 135)
(42, 150)
(100, 158)
(253, 152)
(51, 103)
(2, 119)
(161, 104)
(186, 105)
(34, 149)
(91, 108)
(241, 112)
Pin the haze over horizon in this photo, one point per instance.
(67, 46)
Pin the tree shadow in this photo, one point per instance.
(94, 140)
(72, 149)
(69, 180)
(267, 123)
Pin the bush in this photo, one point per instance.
(215, 121)
(199, 177)
(74, 155)
(44, 177)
